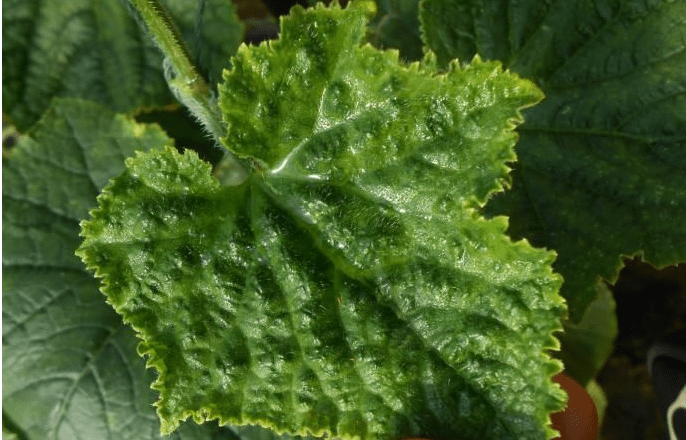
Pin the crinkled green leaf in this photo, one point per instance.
(396, 25)
(602, 160)
(95, 50)
(70, 367)
(349, 286)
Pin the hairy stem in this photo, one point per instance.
(189, 87)
(168, 37)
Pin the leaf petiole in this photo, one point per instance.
(168, 39)
(183, 78)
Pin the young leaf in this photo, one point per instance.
(94, 50)
(70, 368)
(349, 285)
(7, 435)
(586, 346)
(602, 160)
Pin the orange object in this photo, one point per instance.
(579, 421)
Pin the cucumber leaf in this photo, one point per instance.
(396, 25)
(70, 367)
(349, 286)
(94, 50)
(602, 160)
(212, 32)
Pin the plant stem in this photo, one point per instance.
(189, 87)
(167, 36)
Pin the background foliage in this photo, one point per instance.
(610, 136)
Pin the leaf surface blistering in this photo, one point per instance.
(349, 286)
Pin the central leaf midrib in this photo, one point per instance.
(281, 168)
(263, 187)
(305, 363)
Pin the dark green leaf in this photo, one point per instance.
(396, 25)
(212, 32)
(602, 160)
(70, 368)
(95, 50)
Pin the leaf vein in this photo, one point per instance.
(628, 117)
(35, 311)
(41, 205)
(88, 367)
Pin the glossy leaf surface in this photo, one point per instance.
(349, 286)
(70, 367)
(602, 160)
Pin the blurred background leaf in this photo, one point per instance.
(95, 50)
(70, 366)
